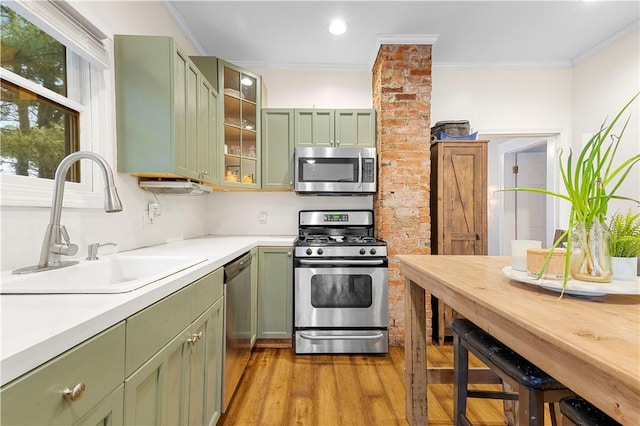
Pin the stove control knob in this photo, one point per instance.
(362, 251)
(309, 251)
(372, 251)
(320, 251)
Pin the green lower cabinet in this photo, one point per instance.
(95, 369)
(109, 412)
(275, 292)
(182, 383)
(254, 295)
(156, 393)
(206, 356)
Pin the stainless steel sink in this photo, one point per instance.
(109, 274)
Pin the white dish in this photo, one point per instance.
(577, 287)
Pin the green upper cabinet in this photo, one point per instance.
(355, 127)
(241, 98)
(163, 121)
(314, 127)
(239, 114)
(277, 149)
(339, 127)
(208, 166)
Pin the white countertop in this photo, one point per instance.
(36, 328)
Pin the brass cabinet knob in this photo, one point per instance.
(195, 338)
(74, 394)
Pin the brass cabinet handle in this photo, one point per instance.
(74, 394)
(195, 338)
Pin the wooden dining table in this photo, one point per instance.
(591, 345)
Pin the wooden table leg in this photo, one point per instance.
(415, 354)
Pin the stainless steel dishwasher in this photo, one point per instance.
(237, 308)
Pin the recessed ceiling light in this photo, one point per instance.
(246, 81)
(337, 27)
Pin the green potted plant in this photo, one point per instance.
(590, 182)
(625, 245)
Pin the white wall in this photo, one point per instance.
(503, 101)
(602, 85)
(317, 89)
(233, 213)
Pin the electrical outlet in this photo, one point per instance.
(147, 221)
(262, 217)
(154, 210)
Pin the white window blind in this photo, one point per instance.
(63, 22)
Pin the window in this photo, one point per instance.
(36, 132)
(54, 70)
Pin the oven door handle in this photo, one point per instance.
(341, 262)
(342, 337)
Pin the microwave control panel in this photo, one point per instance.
(368, 170)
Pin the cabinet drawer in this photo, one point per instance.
(152, 328)
(206, 291)
(37, 397)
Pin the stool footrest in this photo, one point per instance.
(488, 394)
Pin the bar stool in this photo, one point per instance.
(534, 386)
(578, 412)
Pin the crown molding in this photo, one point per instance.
(629, 29)
(177, 19)
(526, 65)
(299, 66)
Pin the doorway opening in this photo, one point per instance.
(521, 160)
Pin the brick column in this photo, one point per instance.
(402, 99)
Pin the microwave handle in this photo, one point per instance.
(359, 170)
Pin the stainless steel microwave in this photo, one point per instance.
(336, 171)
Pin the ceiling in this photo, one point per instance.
(467, 34)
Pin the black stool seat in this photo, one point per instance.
(582, 413)
(504, 357)
(533, 387)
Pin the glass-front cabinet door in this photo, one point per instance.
(241, 124)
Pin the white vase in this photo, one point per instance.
(624, 268)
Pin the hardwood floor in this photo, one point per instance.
(281, 388)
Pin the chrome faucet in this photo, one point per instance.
(56, 241)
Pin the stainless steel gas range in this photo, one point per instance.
(340, 284)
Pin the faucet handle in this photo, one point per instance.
(66, 247)
(92, 250)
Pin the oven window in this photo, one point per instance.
(341, 291)
(328, 169)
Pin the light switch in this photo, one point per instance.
(262, 217)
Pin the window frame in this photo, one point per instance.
(89, 55)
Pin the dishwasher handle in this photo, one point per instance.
(235, 267)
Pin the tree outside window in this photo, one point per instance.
(36, 131)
